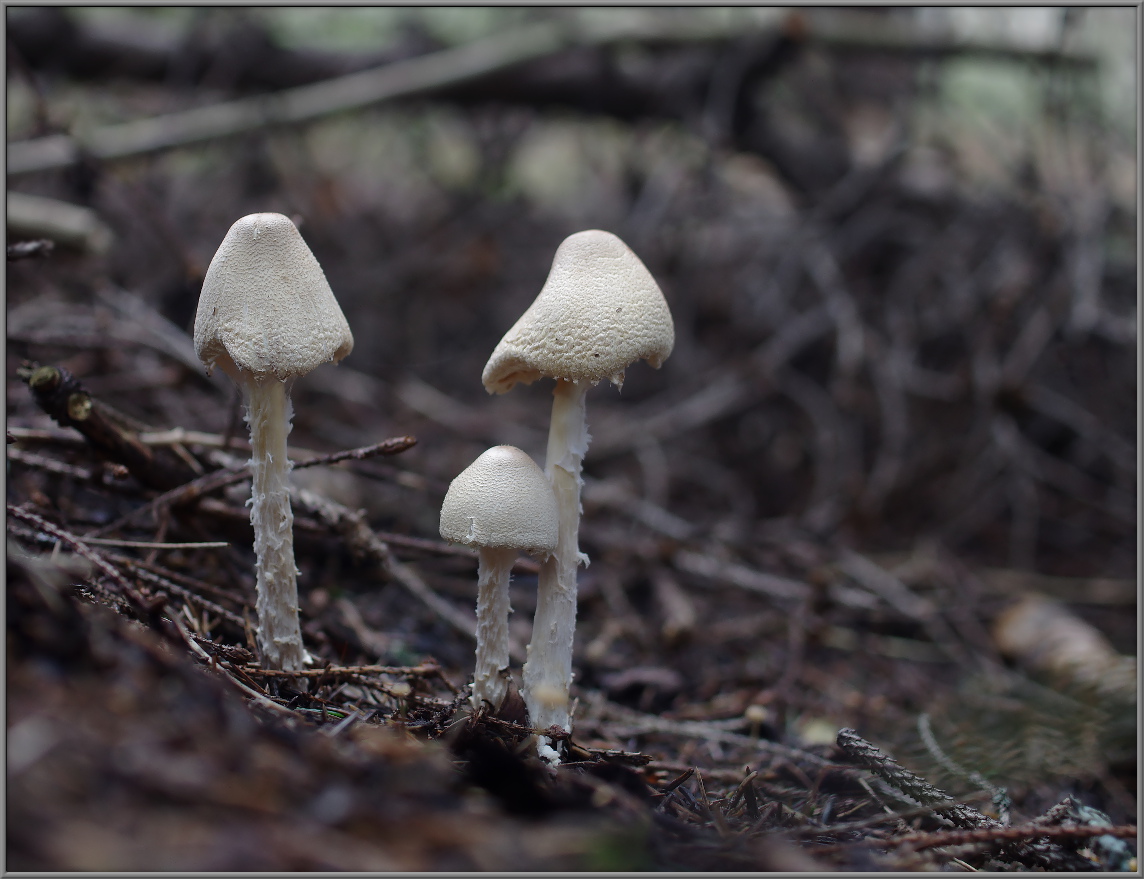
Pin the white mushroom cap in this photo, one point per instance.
(502, 499)
(266, 307)
(599, 311)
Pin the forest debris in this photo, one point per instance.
(82, 549)
(1047, 638)
(67, 224)
(1089, 590)
(148, 544)
(88, 48)
(51, 465)
(613, 493)
(425, 669)
(1047, 855)
(621, 721)
(363, 543)
(440, 408)
(928, 273)
(915, 788)
(994, 835)
(402, 79)
(1109, 847)
(145, 324)
(740, 575)
(63, 397)
(192, 491)
(1001, 801)
(37, 247)
(719, 396)
(899, 596)
(678, 611)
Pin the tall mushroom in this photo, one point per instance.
(267, 315)
(599, 311)
(501, 503)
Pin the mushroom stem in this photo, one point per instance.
(268, 413)
(548, 671)
(493, 575)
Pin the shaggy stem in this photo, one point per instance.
(493, 575)
(548, 671)
(268, 413)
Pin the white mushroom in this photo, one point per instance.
(267, 315)
(599, 311)
(501, 503)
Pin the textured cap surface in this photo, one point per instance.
(266, 307)
(599, 311)
(502, 499)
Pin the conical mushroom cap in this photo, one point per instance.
(599, 311)
(266, 307)
(502, 499)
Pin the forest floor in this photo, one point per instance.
(861, 592)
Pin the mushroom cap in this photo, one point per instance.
(266, 307)
(599, 311)
(502, 499)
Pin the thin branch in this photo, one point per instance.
(426, 669)
(414, 77)
(995, 835)
(81, 548)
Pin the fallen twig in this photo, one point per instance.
(83, 549)
(429, 669)
(402, 79)
(61, 395)
(996, 835)
(219, 479)
(68, 224)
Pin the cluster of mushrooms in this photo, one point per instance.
(599, 311)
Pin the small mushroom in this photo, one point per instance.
(267, 315)
(599, 311)
(501, 503)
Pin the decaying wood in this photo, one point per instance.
(66, 224)
(63, 397)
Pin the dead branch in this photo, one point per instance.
(84, 550)
(67, 224)
(61, 395)
(741, 576)
(192, 491)
(986, 835)
(402, 79)
(52, 37)
(430, 669)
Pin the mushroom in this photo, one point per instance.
(501, 503)
(267, 315)
(599, 311)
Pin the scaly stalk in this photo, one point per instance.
(548, 671)
(494, 570)
(268, 412)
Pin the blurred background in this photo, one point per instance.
(899, 244)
